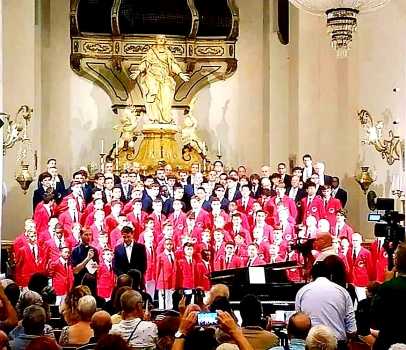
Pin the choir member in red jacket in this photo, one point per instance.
(362, 266)
(341, 228)
(111, 221)
(237, 229)
(274, 256)
(89, 218)
(158, 218)
(331, 205)
(166, 276)
(54, 245)
(149, 275)
(262, 243)
(312, 204)
(187, 276)
(218, 249)
(106, 278)
(70, 216)
(253, 258)
(246, 202)
(49, 232)
(260, 223)
(230, 259)
(137, 218)
(62, 275)
(44, 211)
(178, 218)
(240, 247)
(30, 258)
(75, 234)
(379, 258)
(204, 270)
(98, 225)
(202, 217)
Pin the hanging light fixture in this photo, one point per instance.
(341, 18)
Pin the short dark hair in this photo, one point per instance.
(44, 175)
(50, 160)
(126, 229)
(307, 155)
(34, 317)
(309, 184)
(218, 162)
(297, 168)
(251, 310)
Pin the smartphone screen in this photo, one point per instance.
(205, 319)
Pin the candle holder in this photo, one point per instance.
(102, 161)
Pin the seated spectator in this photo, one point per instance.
(217, 290)
(69, 308)
(122, 281)
(29, 298)
(136, 276)
(101, 325)
(7, 312)
(251, 315)
(33, 323)
(12, 291)
(81, 332)
(117, 317)
(398, 346)
(134, 330)
(321, 338)
(298, 328)
(43, 343)
(112, 341)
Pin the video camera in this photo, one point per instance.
(387, 225)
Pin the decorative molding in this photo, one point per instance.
(97, 47)
(209, 51)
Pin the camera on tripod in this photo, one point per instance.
(387, 225)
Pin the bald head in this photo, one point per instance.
(100, 323)
(323, 240)
(299, 325)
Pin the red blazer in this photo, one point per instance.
(106, 280)
(110, 223)
(263, 250)
(345, 232)
(165, 272)
(52, 252)
(268, 233)
(203, 272)
(362, 269)
(115, 237)
(277, 259)
(96, 232)
(26, 265)
(179, 224)
(41, 217)
(187, 276)
(151, 261)
(315, 208)
(295, 274)
(246, 210)
(63, 206)
(217, 256)
(20, 241)
(380, 261)
(235, 262)
(243, 232)
(241, 251)
(137, 224)
(203, 220)
(88, 210)
(245, 223)
(62, 278)
(66, 221)
(332, 207)
(271, 207)
(257, 262)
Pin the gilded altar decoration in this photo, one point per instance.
(364, 178)
(142, 66)
(155, 76)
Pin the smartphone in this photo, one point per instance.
(205, 319)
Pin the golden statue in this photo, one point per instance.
(128, 123)
(189, 135)
(155, 74)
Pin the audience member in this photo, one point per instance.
(321, 338)
(299, 325)
(101, 324)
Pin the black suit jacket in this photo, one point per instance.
(138, 261)
(37, 197)
(342, 196)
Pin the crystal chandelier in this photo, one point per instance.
(341, 18)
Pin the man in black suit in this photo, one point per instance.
(45, 185)
(282, 171)
(232, 192)
(324, 179)
(129, 255)
(338, 192)
(126, 187)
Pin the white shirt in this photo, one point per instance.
(34, 249)
(145, 335)
(128, 250)
(293, 192)
(328, 304)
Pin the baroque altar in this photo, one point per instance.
(153, 72)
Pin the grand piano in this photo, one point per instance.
(268, 282)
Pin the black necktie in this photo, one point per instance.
(170, 258)
(33, 253)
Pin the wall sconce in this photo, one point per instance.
(392, 148)
(16, 131)
(364, 178)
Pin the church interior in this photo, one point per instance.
(178, 84)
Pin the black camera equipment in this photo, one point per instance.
(388, 225)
